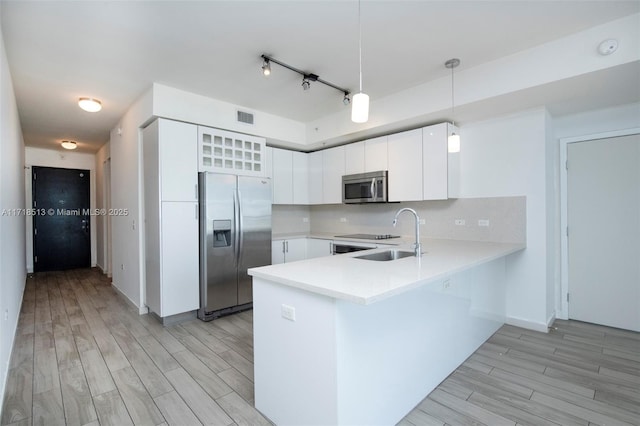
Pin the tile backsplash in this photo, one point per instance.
(504, 219)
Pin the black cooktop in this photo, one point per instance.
(369, 236)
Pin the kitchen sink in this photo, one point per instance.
(386, 255)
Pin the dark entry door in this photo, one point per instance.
(61, 229)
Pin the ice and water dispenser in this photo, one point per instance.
(221, 233)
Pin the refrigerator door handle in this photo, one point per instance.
(236, 222)
(240, 225)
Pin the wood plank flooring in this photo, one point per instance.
(83, 356)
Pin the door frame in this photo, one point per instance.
(563, 311)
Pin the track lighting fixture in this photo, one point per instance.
(453, 141)
(266, 67)
(307, 77)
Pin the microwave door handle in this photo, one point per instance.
(373, 188)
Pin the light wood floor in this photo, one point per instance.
(84, 356)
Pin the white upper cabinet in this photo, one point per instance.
(229, 152)
(375, 154)
(282, 183)
(177, 152)
(405, 166)
(333, 168)
(315, 177)
(366, 156)
(300, 178)
(434, 162)
(354, 158)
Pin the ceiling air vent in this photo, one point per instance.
(245, 117)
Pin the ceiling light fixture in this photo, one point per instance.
(266, 67)
(69, 144)
(90, 104)
(360, 107)
(453, 141)
(307, 77)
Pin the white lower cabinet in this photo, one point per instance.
(284, 251)
(317, 247)
(172, 260)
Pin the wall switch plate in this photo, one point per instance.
(483, 222)
(288, 312)
(460, 222)
(343, 219)
(305, 220)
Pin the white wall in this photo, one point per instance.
(12, 227)
(102, 250)
(65, 160)
(506, 156)
(193, 108)
(126, 192)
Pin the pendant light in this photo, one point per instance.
(360, 101)
(453, 141)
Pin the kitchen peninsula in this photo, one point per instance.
(343, 340)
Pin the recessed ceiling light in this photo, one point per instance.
(69, 144)
(90, 104)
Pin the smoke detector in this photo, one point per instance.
(607, 47)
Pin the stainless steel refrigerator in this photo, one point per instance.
(235, 234)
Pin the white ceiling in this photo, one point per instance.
(113, 50)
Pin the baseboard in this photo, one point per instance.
(551, 320)
(529, 325)
(129, 301)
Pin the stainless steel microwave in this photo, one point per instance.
(365, 188)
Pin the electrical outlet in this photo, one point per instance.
(122, 266)
(483, 222)
(446, 284)
(422, 222)
(6, 314)
(305, 220)
(288, 312)
(343, 219)
(460, 222)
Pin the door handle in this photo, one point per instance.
(373, 187)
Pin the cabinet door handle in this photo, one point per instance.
(196, 186)
(287, 244)
(196, 212)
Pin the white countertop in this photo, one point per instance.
(330, 236)
(366, 281)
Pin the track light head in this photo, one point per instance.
(347, 99)
(306, 84)
(266, 67)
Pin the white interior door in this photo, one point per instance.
(603, 190)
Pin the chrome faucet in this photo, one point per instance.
(418, 248)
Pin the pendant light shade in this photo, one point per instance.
(360, 102)
(360, 108)
(453, 141)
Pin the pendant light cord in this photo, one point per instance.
(453, 109)
(360, 44)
